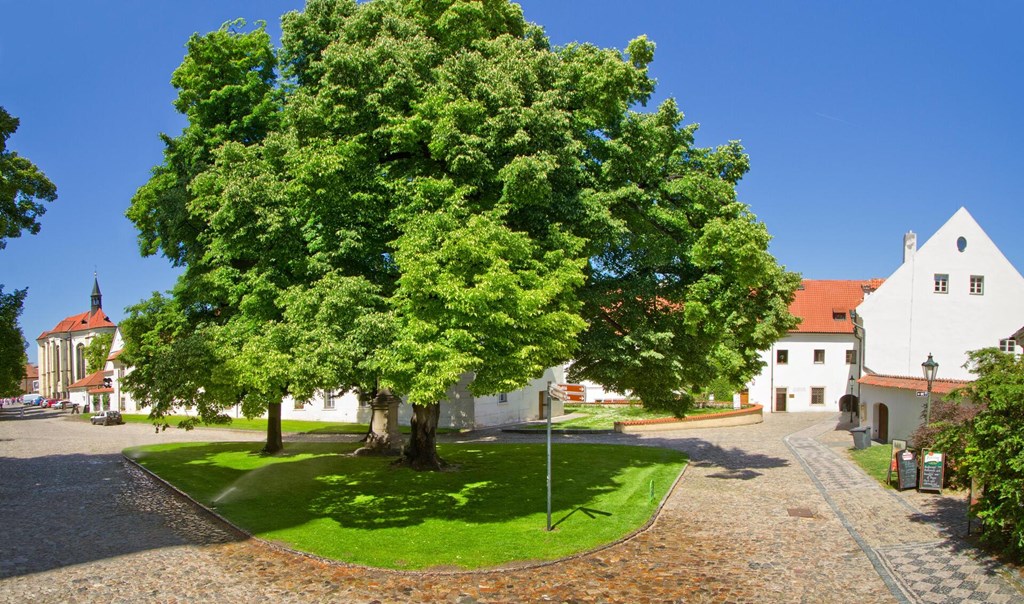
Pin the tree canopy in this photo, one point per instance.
(409, 192)
(22, 187)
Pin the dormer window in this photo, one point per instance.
(838, 315)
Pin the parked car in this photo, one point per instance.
(61, 405)
(107, 418)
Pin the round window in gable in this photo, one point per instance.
(961, 243)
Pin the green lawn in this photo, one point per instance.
(874, 460)
(488, 511)
(603, 417)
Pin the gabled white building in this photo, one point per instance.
(814, 366)
(955, 294)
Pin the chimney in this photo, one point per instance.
(909, 245)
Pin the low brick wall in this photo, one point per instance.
(740, 417)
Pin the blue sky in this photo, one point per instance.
(863, 120)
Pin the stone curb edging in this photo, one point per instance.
(239, 531)
(750, 415)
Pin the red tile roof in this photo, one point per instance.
(93, 379)
(31, 371)
(81, 322)
(113, 356)
(818, 302)
(912, 383)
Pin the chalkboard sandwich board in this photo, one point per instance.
(906, 469)
(932, 471)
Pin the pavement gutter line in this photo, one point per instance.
(880, 568)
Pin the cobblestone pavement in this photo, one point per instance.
(915, 540)
(757, 518)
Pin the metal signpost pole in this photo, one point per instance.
(549, 457)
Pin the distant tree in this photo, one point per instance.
(12, 343)
(464, 198)
(97, 351)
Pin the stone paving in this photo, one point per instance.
(764, 513)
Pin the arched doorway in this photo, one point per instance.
(849, 406)
(881, 423)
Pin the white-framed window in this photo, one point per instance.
(817, 396)
(329, 400)
(977, 285)
(1008, 345)
(851, 357)
(819, 356)
(941, 283)
(781, 357)
(503, 397)
(299, 405)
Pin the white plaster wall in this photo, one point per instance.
(904, 320)
(522, 405)
(905, 410)
(801, 373)
(346, 410)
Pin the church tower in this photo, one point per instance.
(97, 297)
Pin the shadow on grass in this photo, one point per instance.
(490, 483)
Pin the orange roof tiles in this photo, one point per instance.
(31, 371)
(81, 322)
(91, 380)
(819, 304)
(912, 383)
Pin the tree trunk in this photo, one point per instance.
(420, 453)
(274, 441)
(383, 437)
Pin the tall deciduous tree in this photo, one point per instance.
(469, 202)
(23, 187)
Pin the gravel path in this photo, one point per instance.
(765, 513)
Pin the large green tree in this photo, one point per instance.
(23, 188)
(464, 199)
(987, 440)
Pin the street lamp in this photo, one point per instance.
(849, 401)
(929, 367)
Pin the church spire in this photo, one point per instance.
(97, 297)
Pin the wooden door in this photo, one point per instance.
(883, 423)
(780, 399)
(541, 407)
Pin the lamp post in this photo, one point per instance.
(849, 401)
(929, 367)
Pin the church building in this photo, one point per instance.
(62, 349)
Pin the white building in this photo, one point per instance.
(811, 367)
(955, 294)
(460, 410)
